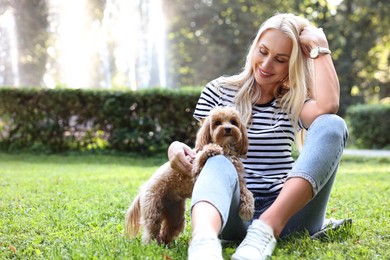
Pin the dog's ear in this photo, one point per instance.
(203, 136)
(242, 147)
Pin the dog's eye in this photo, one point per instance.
(217, 123)
(234, 122)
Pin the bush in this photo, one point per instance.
(370, 125)
(55, 120)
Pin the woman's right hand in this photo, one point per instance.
(181, 156)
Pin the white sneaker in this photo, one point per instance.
(205, 248)
(258, 244)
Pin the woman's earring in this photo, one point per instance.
(284, 81)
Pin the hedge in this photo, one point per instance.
(56, 120)
(146, 121)
(370, 125)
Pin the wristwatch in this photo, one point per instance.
(316, 51)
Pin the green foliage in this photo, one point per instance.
(67, 119)
(211, 38)
(207, 39)
(73, 207)
(370, 125)
(363, 68)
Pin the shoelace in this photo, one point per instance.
(257, 238)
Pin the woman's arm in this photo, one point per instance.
(326, 88)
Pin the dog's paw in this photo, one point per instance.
(211, 150)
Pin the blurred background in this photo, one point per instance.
(137, 44)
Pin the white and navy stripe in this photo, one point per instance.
(270, 135)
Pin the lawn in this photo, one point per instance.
(72, 207)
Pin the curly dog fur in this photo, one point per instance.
(223, 133)
(159, 206)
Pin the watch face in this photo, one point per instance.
(314, 53)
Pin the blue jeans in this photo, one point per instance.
(317, 163)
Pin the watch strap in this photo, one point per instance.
(317, 51)
(323, 50)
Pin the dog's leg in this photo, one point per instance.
(152, 229)
(247, 202)
(174, 220)
(151, 219)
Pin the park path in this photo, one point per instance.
(367, 153)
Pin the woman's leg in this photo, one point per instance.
(315, 168)
(312, 173)
(216, 195)
(312, 216)
(296, 193)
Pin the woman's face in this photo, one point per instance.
(271, 59)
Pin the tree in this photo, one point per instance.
(210, 38)
(362, 57)
(31, 24)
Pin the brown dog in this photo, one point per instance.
(160, 205)
(223, 133)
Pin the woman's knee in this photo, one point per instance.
(332, 126)
(221, 168)
(217, 184)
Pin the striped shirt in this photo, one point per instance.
(270, 135)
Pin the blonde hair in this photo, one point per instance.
(292, 94)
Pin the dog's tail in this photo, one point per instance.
(133, 215)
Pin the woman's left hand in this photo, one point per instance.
(311, 37)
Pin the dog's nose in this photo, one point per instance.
(228, 130)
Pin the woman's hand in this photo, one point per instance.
(181, 156)
(311, 37)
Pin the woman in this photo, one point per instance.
(288, 83)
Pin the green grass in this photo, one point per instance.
(72, 207)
